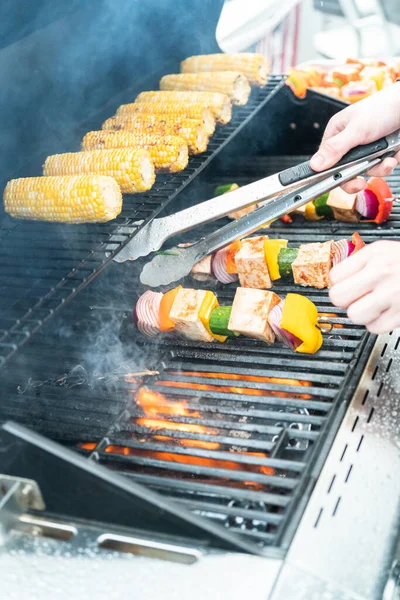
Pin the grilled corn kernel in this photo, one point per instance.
(169, 153)
(69, 199)
(191, 130)
(132, 168)
(233, 84)
(253, 66)
(219, 104)
(172, 109)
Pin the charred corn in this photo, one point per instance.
(191, 130)
(169, 153)
(219, 104)
(172, 109)
(253, 66)
(70, 199)
(131, 168)
(233, 84)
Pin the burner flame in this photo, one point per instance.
(154, 403)
(237, 389)
(163, 416)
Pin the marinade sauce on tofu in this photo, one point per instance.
(312, 265)
(185, 314)
(251, 265)
(250, 311)
(343, 205)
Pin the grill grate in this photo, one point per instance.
(263, 422)
(235, 432)
(68, 258)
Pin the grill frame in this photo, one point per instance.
(82, 415)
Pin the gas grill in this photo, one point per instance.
(247, 468)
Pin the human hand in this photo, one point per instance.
(367, 284)
(358, 124)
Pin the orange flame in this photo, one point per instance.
(87, 446)
(153, 403)
(328, 324)
(196, 460)
(160, 411)
(240, 390)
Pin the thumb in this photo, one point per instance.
(333, 149)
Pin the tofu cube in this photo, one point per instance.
(238, 214)
(343, 205)
(185, 314)
(251, 264)
(312, 265)
(202, 270)
(250, 311)
(300, 210)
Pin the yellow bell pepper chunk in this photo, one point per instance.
(300, 318)
(311, 212)
(209, 303)
(271, 251)
(376, 74)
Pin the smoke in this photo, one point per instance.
(65, 69)
(68, 68)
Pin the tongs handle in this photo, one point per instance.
(304, 171)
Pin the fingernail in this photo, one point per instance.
(318, 161)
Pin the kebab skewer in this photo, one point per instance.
(259, 261)
(258, 314)
(374, 204)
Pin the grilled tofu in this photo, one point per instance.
(202, 270)
(250, 312)
(301, 210)
(312, 265)
(238, 214)
(251, 265)
(185, 314)
(343, 205)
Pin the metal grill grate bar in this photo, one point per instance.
(86, 267)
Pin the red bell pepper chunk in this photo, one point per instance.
(357, 241)
(287, 219)
(382, 191)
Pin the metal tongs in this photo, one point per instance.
(280, 193)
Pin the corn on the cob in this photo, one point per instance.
(168, 153)
(70, 199)
(253, 66)
(131, 168)
(191, 130)
(233, 84)
(219, 104)
(172, 109)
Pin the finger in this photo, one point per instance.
(369, 308)
(350, 266)
(384, 169)
(336, 124)
(387, 321)
(355, 185)
(334, 148)
(355, 287)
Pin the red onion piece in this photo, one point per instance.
(355, 92)
(341, 250)
(367, 204)
(284, 336)
(147, 312)
(218, 267)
